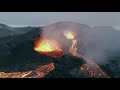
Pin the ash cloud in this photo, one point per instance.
(93, 42)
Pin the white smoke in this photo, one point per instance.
(93, 42)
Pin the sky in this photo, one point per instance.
(45, 18)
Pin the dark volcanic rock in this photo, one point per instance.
(64, 65)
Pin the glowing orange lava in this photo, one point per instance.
(48, 47)
(73, 48)
(69, 35)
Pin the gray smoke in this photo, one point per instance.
(93, 42)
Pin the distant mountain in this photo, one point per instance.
(24, 29)
(6, 30)
(10, 31)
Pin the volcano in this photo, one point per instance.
(52, 55)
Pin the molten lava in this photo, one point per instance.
(73, 48)
(40, 72)
(48, 47)
(90, 67)
(45, 46)
(69, 35)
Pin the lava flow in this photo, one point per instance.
(73, 48)
(48, 47)
(90, 67)
(40, 72)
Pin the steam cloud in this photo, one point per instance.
(93, 42)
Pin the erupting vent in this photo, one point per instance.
(48, 47)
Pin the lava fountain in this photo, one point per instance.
(48, 47)
(69, 35)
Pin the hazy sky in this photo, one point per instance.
(44, 18)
